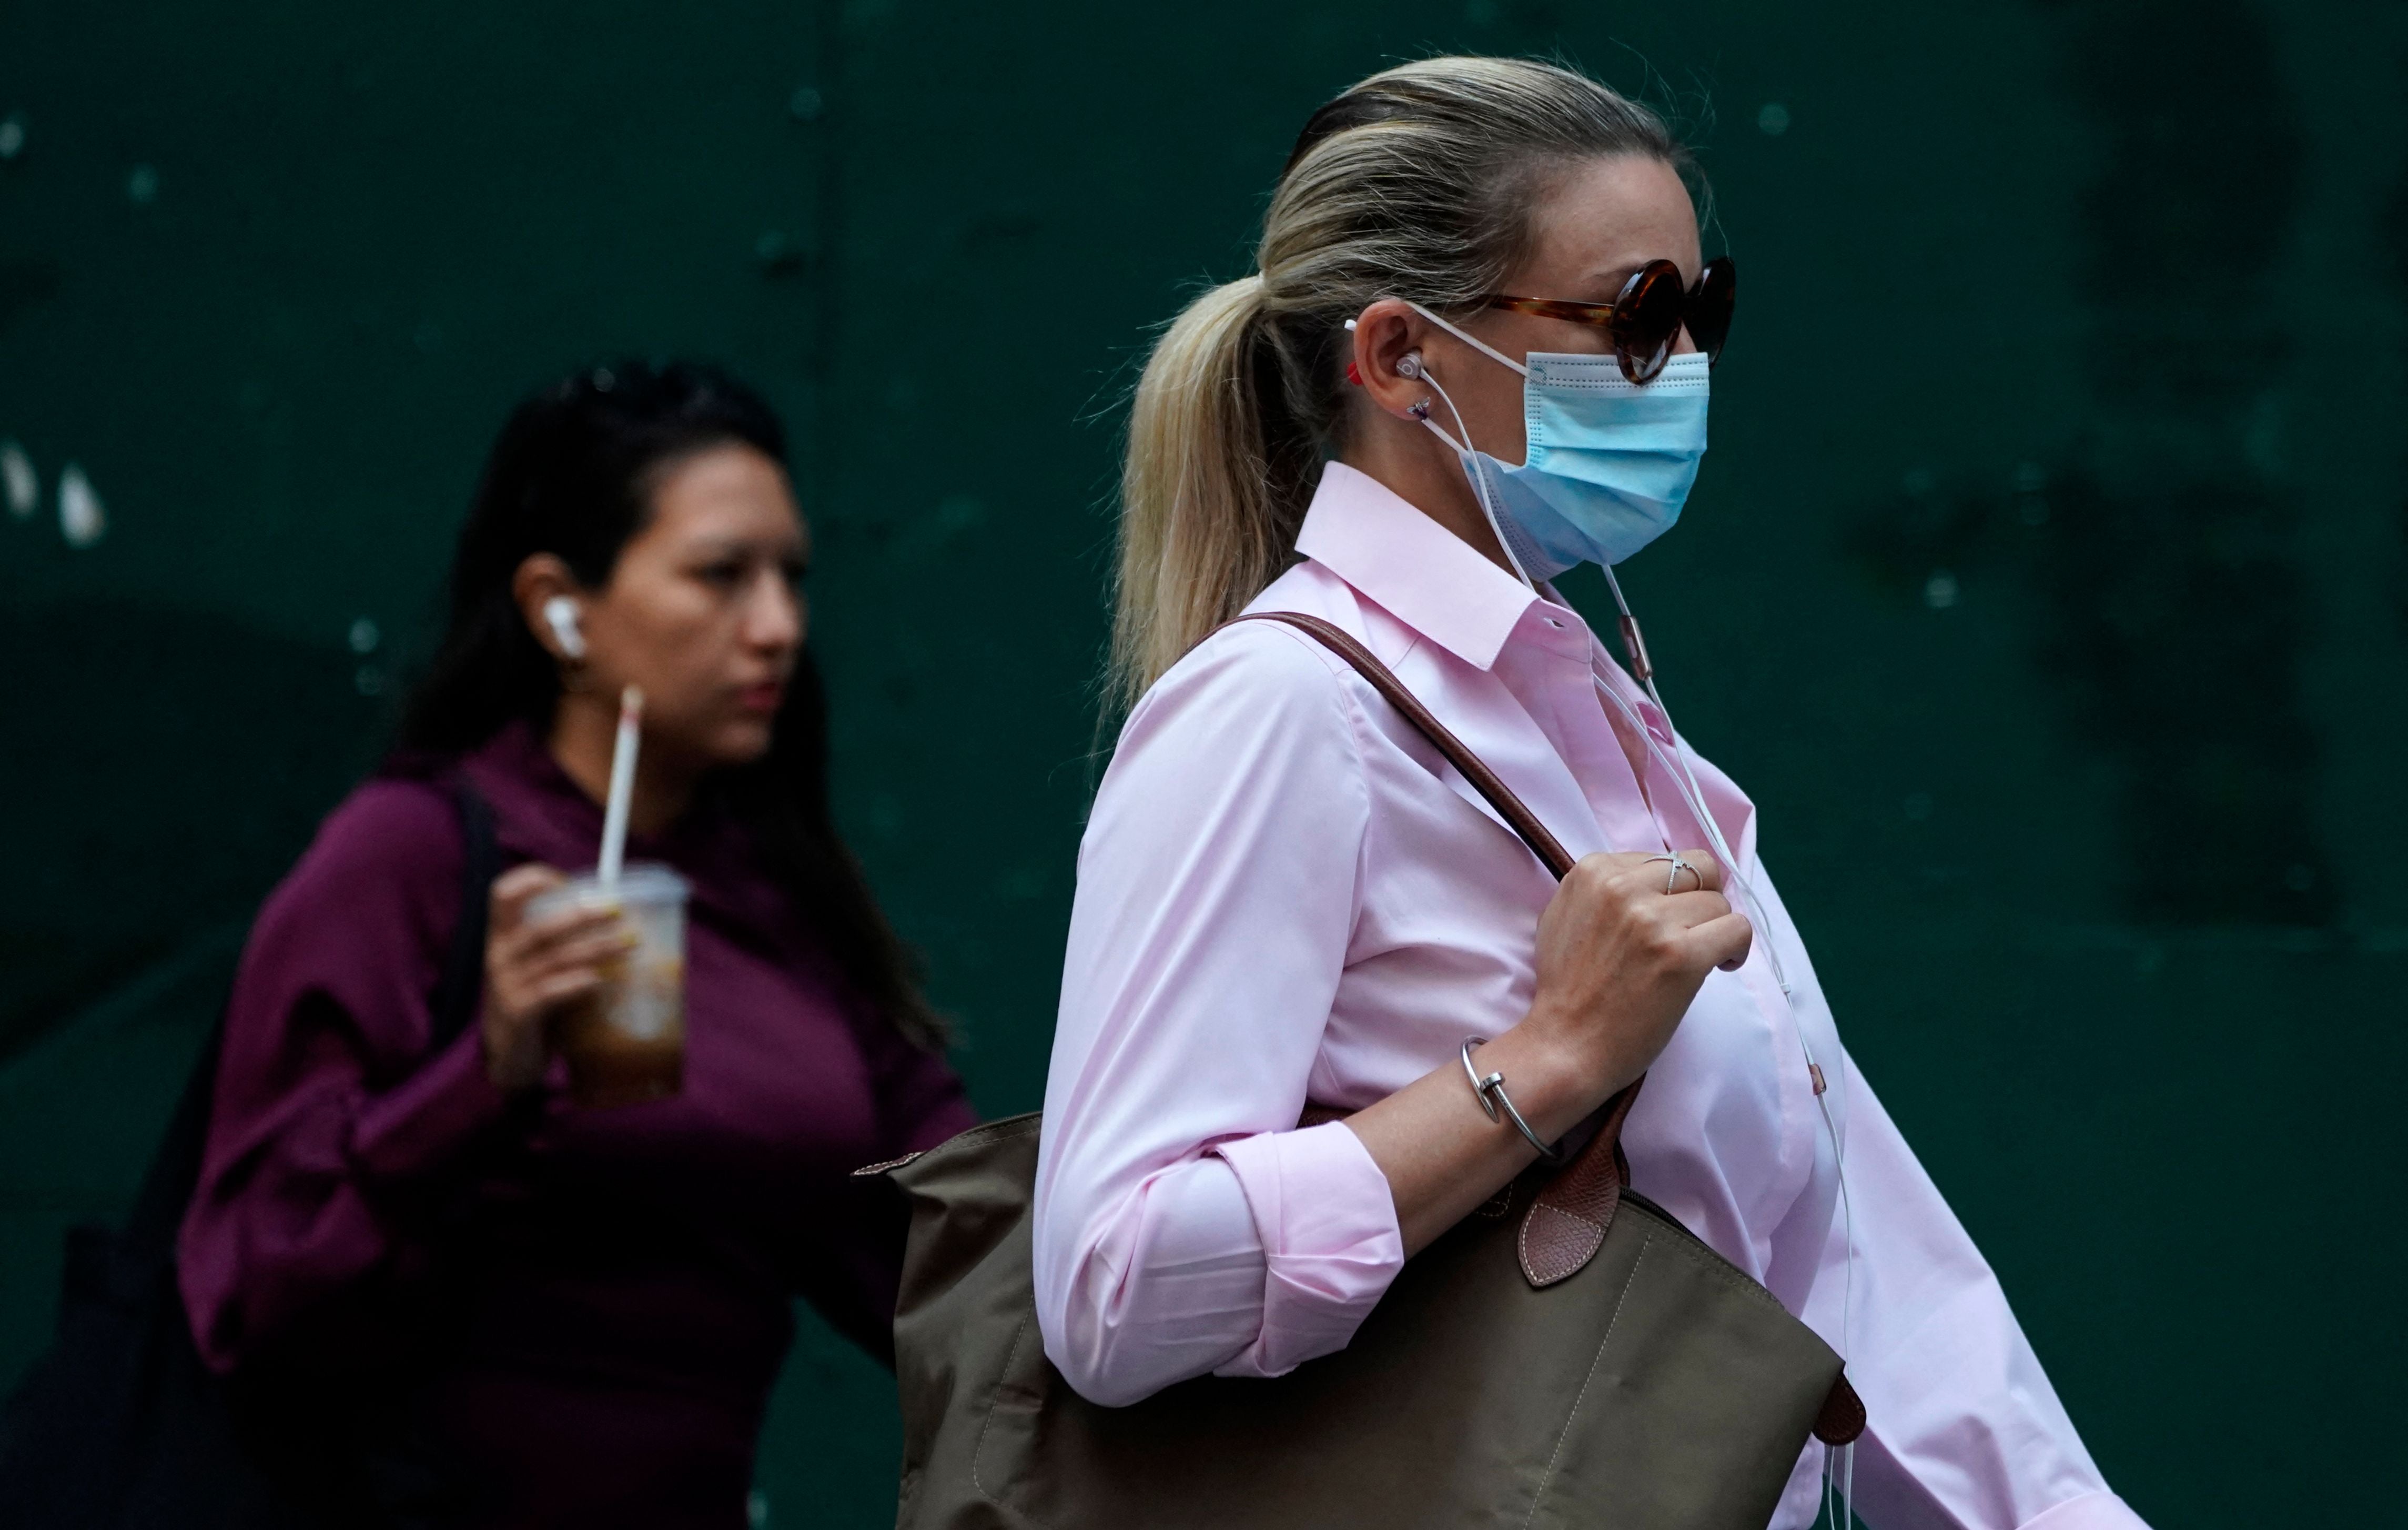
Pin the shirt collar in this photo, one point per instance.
(1414, 568)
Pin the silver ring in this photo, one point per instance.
(1673, 873)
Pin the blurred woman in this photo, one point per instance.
(530, 1313)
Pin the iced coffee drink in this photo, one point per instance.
(625, 1043)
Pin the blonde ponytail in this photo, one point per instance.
(1418, 182)
(1205, 520)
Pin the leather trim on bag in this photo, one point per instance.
(1843, 1418)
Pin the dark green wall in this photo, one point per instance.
(2046, 584)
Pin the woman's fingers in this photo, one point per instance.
(1723, 935)
(1696, 872)
(517, 887)
(570, 928)
(1699, 872)
(532, 967)
(591, 957)
(587, 935)
(607, 942)
(561, 987)
(516, 938)
(1689, 910)
(1723, 942)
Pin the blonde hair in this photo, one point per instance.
(1417, 182)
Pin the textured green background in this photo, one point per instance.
(2046, 583)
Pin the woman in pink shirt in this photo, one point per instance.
(1285, 896)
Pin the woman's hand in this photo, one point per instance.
(1621, 959)
(533, 968)
(1619, 964)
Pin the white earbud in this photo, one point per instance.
(560, 615)
(1410, 363)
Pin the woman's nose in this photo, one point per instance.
(773, 618)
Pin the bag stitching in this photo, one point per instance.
(1010, 1126)
(1548, 1475)
(978, 1452)
(1705, 1257)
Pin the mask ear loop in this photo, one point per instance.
(1413, 367)
(1473, 340)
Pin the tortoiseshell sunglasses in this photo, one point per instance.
(1648, 317)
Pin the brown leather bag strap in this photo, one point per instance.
(1565, 1225)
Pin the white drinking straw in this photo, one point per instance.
(623, 788)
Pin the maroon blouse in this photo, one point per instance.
(620, 1278)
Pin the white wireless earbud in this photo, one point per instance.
(560, 615)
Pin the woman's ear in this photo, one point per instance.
(551, 604)
(1387, 360)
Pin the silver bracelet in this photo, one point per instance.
(1490, 1092)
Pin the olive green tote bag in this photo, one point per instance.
(1568, 1355)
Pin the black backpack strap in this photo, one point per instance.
(149, 1238)
(463, 983)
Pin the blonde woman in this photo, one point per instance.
(1474, 353)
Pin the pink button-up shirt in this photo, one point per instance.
(1286, 895)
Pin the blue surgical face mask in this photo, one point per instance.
(1609, 461)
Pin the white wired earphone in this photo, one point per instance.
(1839, 1467)
(1839, 1461)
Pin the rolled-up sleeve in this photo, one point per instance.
(1184, 1223)
(1327, 1223)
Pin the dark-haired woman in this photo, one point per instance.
(573, 1316)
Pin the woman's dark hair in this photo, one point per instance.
(573, 475)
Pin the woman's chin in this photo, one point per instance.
(742, 740)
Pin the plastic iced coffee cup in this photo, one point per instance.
(625, 1043)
